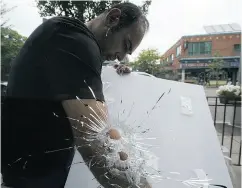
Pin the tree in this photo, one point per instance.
(216, 66)
(164, 67)
(11, 43)
(4, 11)
(83, 10)
(147, 61)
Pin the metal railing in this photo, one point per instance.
(227, 121)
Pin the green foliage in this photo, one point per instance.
(11, 43)
(83, 10)
(164, 65)
(4, 11)
(216, 66)
(147, 61)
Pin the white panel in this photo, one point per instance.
(181, 123)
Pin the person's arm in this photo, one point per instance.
(93, 151)
(75, 79)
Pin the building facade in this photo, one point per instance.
(191, 55)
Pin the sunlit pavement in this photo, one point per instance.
(211, 92)
(237, 171)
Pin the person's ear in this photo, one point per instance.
(112, 18)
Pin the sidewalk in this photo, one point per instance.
(210, 92)
(235, 170)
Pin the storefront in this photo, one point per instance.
(191, 69)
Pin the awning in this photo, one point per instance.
(198, 63)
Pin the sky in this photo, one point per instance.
(169, 19)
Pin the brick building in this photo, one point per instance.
(192, 54)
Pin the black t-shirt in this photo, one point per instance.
(58, 62)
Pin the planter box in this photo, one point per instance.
(229, 100)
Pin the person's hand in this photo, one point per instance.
(115, 176)
(121, 176)
(122, 69)
(144, 183)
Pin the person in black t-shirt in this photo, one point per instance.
(58, 63)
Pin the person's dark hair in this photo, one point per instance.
(130, 13)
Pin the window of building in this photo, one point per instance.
(199, 48)
(237, 47)
(167, 59)
(208, 47)
(178, 51)
(172, 57)
(202, 48)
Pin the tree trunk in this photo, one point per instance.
(217, 79)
